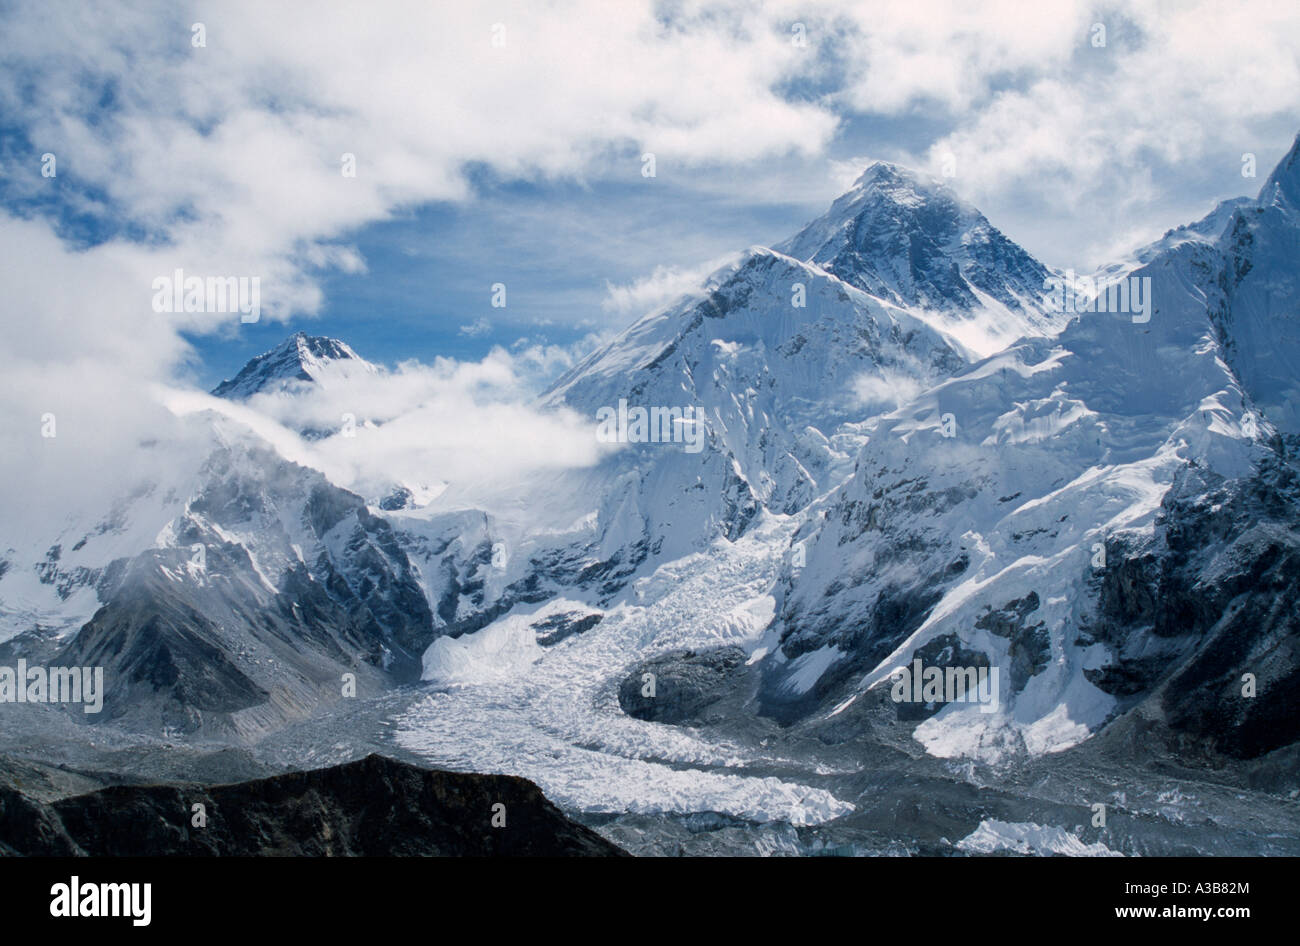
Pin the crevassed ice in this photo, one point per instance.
(556, 720)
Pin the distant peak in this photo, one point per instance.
(887, 175)
(885, 171)
(322, 346)
(1283, 185)
(299, 358)
(907, 237)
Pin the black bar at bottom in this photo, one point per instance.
(323, 896)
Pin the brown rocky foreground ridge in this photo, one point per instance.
(375, 806)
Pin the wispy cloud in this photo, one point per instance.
(473, 424)
(663, 285)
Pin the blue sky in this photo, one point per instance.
(519, 163)
(559, 245)
(555, 246)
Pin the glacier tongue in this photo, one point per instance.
(557, 721)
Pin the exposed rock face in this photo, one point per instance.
(1030, 643)
(1214, 596)
(560, 627)
(300, 359)
(271, 585)
(685, 684)
(1252, 300)
(372, 807)
(941, 652)
(914, 242)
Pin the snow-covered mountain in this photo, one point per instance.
(235, 605)
(788, 352)
(1255, 300)
(299, 359)
(1005, 540)
(992, 515)
(909, 239)
(887, 445)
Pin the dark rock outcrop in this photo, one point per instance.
(1030, 643)
(560, 627)
(372, 807)
(942, 652)
(685, 684)
(1215, 596)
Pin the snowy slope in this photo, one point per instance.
(778, 384)
(788, 352)
(1257, 305)
(911, 240)
(300, 359)
(987, 540)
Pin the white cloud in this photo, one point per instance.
(477, 328)
(234, 150)
(229, 156)
(1095, 139)
(883, 390)
(473, 424)
(665, 284)
(1068, 146)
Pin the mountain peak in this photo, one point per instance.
(300, 358)
(909, 239)
(1283, 185)
(886, 173)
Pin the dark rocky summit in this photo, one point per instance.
(372, 807)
